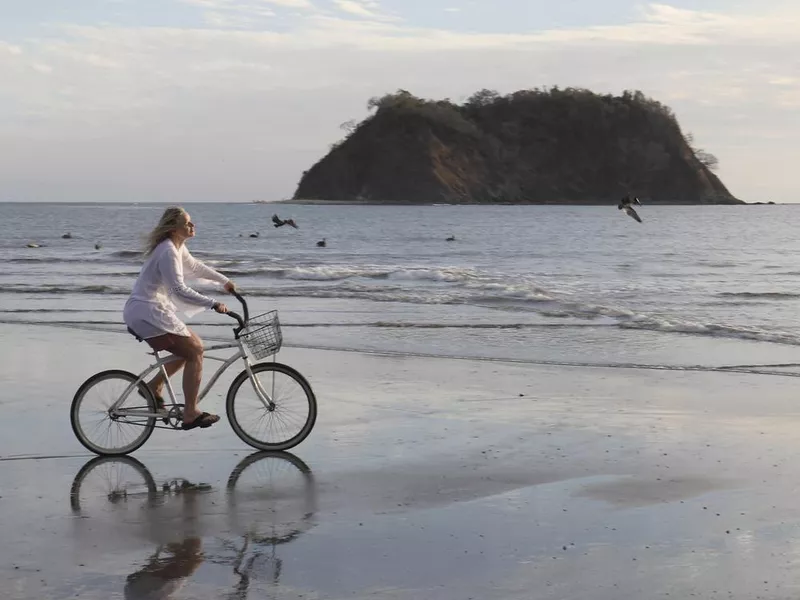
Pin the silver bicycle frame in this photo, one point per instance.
(116, 411)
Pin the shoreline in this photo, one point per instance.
(598, 203)
(375, 203)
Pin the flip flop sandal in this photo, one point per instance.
(203, 421)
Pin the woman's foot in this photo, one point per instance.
(157, 391)
(160, 406)
(202, 420)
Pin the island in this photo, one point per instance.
(539, 146)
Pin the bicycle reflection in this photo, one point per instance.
(269, 499)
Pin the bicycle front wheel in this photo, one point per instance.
(100, 431)
(117, 483)
(281, 425)
(273, 497)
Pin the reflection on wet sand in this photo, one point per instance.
(163, 576)
(269, 500)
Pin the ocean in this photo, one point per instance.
(692, 287)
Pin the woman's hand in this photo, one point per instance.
(230, 287)
(220, 308)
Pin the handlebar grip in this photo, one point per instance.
(234, 315)
(243, 302)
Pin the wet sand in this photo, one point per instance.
(423, 479)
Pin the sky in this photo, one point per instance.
(231, 100)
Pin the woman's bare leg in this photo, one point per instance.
(156, 384)
(190, 349)
(192, 376)
(163, 342)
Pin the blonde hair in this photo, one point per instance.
(169, 222)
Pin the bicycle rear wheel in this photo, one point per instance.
(96, 428)
(282, 426)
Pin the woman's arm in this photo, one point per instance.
(199, 269)
(171, 268)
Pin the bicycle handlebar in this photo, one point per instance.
(242, 321)
(239, 297)
(239, 319)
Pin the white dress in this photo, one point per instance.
(151, 308)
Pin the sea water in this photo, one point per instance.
(698, 287)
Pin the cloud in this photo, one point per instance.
(366, 9)
(230, 14)
(784, 81)
(291, 3)
(237, 110)
(10, 49)
(354, 8)
(252, 6)
(228, 66)
(216, 4)
(222, 20)
(660, 24)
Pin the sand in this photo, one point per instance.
(423, 479)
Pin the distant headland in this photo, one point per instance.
(542, 146)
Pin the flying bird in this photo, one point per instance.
(281, 222)
(625, 204)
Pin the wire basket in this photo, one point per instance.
(262, 336)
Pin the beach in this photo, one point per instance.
(527, 276)
(424, 477)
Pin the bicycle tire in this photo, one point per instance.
(249, 460)
(147, 426)
(305, 498)
(98, 461)
(261, 444)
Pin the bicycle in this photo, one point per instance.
(278, 422)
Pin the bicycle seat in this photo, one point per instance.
(134, 334)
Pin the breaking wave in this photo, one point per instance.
(761, 295)
(442, 285)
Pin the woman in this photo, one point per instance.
(150, 312)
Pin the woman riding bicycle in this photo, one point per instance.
(151, 314)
